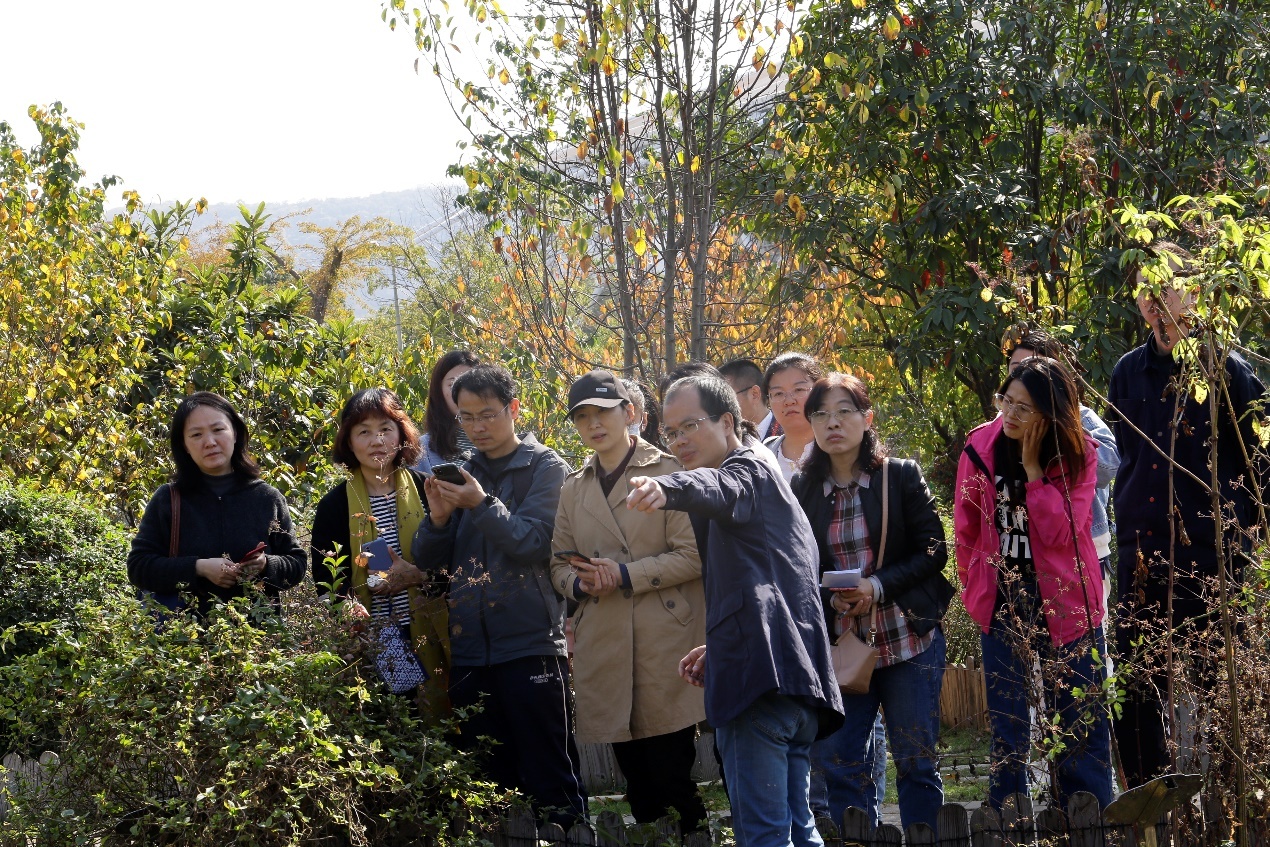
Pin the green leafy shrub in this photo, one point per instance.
(228, 733)
(55, 552)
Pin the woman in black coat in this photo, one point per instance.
(841, 489)
(216, 528)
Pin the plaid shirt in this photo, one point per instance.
(849, 544)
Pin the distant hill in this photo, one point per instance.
(417, 207)
(420, 208)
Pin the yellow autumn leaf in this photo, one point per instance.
(608, 66)
(891, 28)
(30, 391)
(640, 242)
(504, 77)
(557, 41)
(696, 164)
(618, 192)
(985, 295)
(582, 149)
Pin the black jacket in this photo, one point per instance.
(213, 526)
(912, 575)
(330, 530)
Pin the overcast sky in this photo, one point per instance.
(232, 100)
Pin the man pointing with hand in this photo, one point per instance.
(770, 689)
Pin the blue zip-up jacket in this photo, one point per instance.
(1108, 464)
(498, 558)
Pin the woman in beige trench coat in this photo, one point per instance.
(641, 607)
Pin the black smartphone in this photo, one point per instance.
(571, 554)
(448, 472)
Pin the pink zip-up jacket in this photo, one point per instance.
(1058, 572)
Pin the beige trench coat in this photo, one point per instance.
(627, 644)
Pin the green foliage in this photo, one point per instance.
(55, 553)
(957, 162)
(228, 733)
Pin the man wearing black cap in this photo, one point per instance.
(637, 580)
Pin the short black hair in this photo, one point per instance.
(188, 476)
(742, 369)
(683, 371)
(803, 362)
(486, 381)
(717, 397)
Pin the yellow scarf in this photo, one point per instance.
(429, 616)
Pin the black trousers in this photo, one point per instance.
(658, 773)
(527, 708)
(1141, 729)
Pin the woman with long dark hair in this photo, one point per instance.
(383, 499)
(903, 597)
(1031, 580)
(443, 439)
(216, 528)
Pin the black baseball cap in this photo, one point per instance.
(597, 388)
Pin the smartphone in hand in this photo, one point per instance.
(378, 561)
(449, 472)
(571, 554)
(251, 554)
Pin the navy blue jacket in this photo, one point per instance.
(498, 559)
(765, 627)
(1140, 393)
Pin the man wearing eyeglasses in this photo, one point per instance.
(1165, 561)
(492, 535)
(769, 685)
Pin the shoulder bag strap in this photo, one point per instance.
(174, 543)
(886, 520)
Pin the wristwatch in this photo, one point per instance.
(490, 500)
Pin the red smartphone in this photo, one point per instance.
(259, 548)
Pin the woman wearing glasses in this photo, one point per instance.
(786, 383)
(841, 490)
(1031, 580)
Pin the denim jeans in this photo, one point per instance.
(766, 754)
(875, 761)
(908, 693)
(1085, 763)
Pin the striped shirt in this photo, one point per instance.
(384, 510)
(849, 544)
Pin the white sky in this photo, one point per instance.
(232, 100)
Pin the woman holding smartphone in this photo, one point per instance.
(637, 579)
(216, 529)
(1032, 582)
(361, 548)
(903, 597)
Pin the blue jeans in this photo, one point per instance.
(766, 753)
(875, 761)
(1085, 763)
(908, 692)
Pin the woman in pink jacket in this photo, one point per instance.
(1031, 580)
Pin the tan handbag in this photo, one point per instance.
(853, 657)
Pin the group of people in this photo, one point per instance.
(686, 559)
